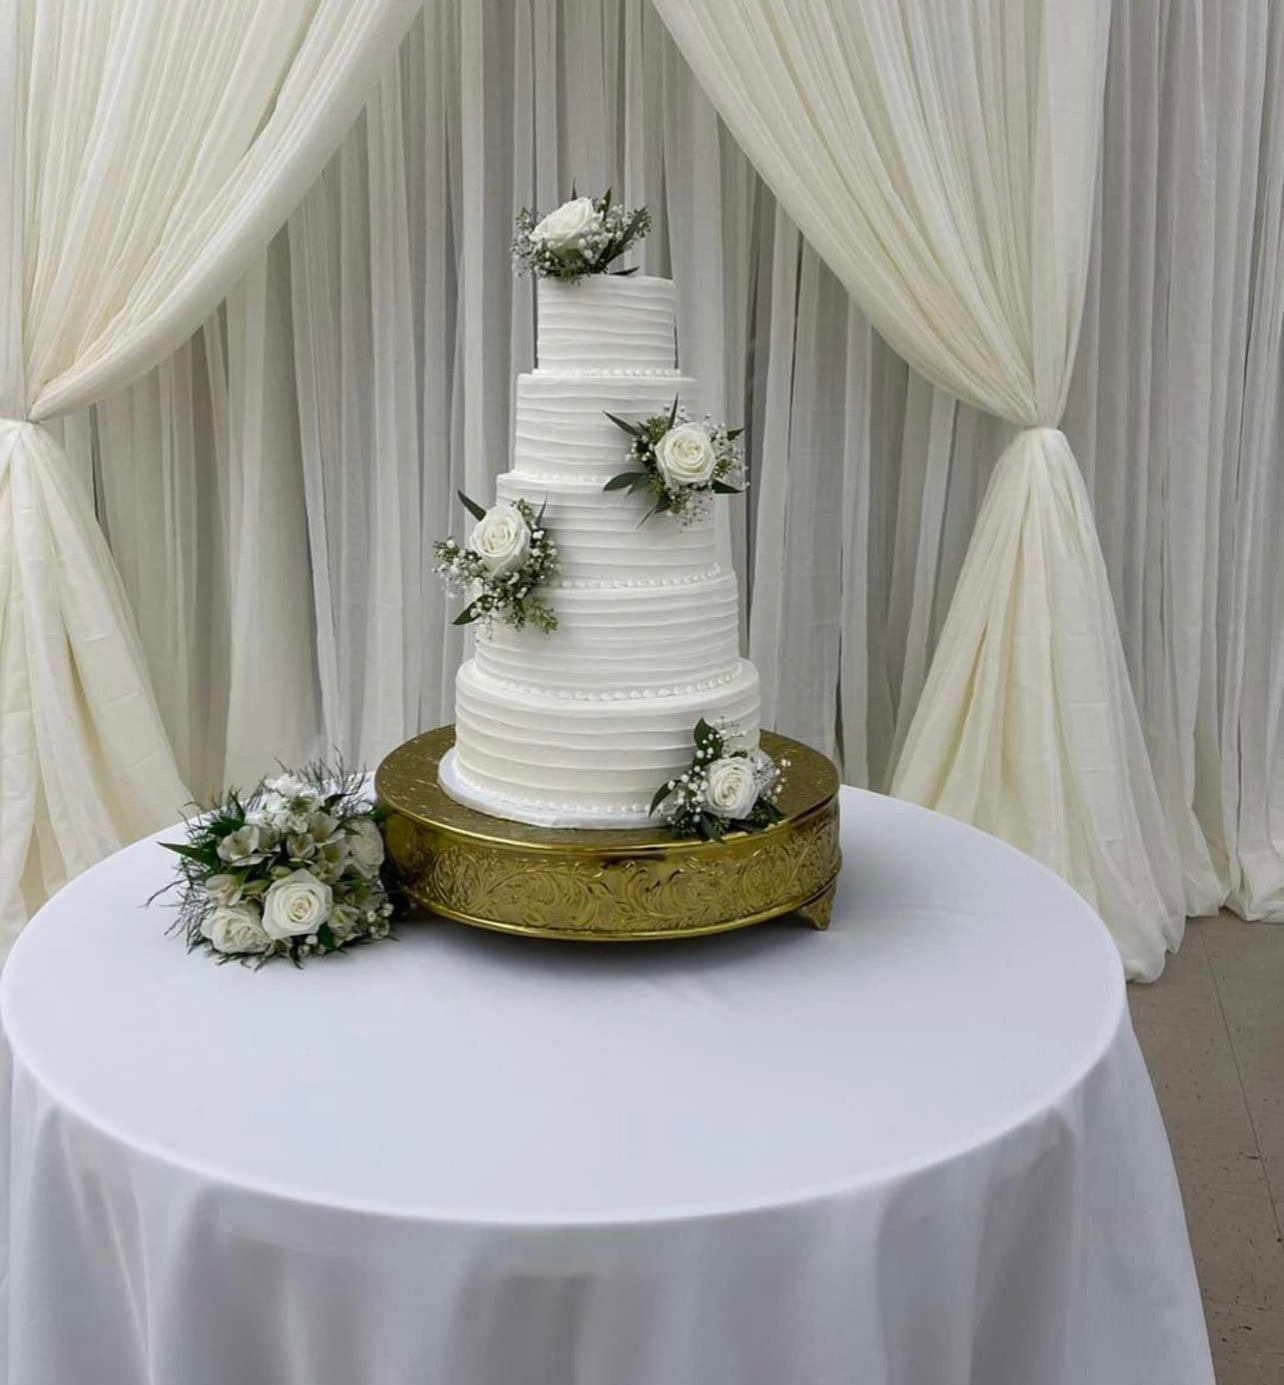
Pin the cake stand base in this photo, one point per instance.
(625, 885)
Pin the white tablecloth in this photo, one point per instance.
(919, 1149)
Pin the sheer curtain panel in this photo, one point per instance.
(148, 151)
(941, 157)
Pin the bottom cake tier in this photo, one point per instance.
(581, 762)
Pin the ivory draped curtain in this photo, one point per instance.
(379, 336)
(150, 149)
(941, 157)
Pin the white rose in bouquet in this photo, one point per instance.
(244, 847)
(501, 539)
(235, 928)
(365, 845)
(562, 230)
(731, 787)
(685, 456)
(296, 905)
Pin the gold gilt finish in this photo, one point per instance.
(622, 885)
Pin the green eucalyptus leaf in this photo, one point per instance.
(660, 795)
(471, 506)
(467, 615)
(712, 828)
(632, 429)
(202, 855)
(625, 479)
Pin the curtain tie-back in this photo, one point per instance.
(1044, 431)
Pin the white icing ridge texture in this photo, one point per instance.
(562, 429)
(606, 322)
(591, 719)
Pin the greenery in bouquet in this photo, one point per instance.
(506, 558)
(726, 788)
(582, 236)
(679, 463)
(291, 870)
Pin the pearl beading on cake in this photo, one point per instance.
(599, 585)
(548, 804)
(607, 372)
(576, 479)
(617, 694)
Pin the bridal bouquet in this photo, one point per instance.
(292, 870)
(723, 790)
(508, 555)
(680, 463)
(581, 237)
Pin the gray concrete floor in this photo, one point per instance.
(1212, 1030)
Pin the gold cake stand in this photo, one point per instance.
(609, 885)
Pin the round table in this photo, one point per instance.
(919, 1149)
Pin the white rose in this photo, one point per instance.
(242, 847)
(365, 844)
(685, 455)
(296, 905)
(562, 230)
(731, 789)
(235, 928)
(501, 539)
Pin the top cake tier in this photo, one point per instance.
(606, 322)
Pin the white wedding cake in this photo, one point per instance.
(579, 726)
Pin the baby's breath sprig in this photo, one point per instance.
(679, 462)
(581, 237)
(508, 556)
(724, 789)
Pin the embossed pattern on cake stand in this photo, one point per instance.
(630, 885)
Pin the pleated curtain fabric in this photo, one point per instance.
(148, 151)
(941, 157)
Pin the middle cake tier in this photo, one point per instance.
(605, 537)
(620, 640)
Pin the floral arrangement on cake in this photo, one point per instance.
(680, 463)
(506, 558)
(723, 790)
(581, 237)
(292, 870)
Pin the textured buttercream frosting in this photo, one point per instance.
(581, 726)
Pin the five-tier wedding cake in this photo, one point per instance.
(578, 727)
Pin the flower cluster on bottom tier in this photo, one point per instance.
(537, 757)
